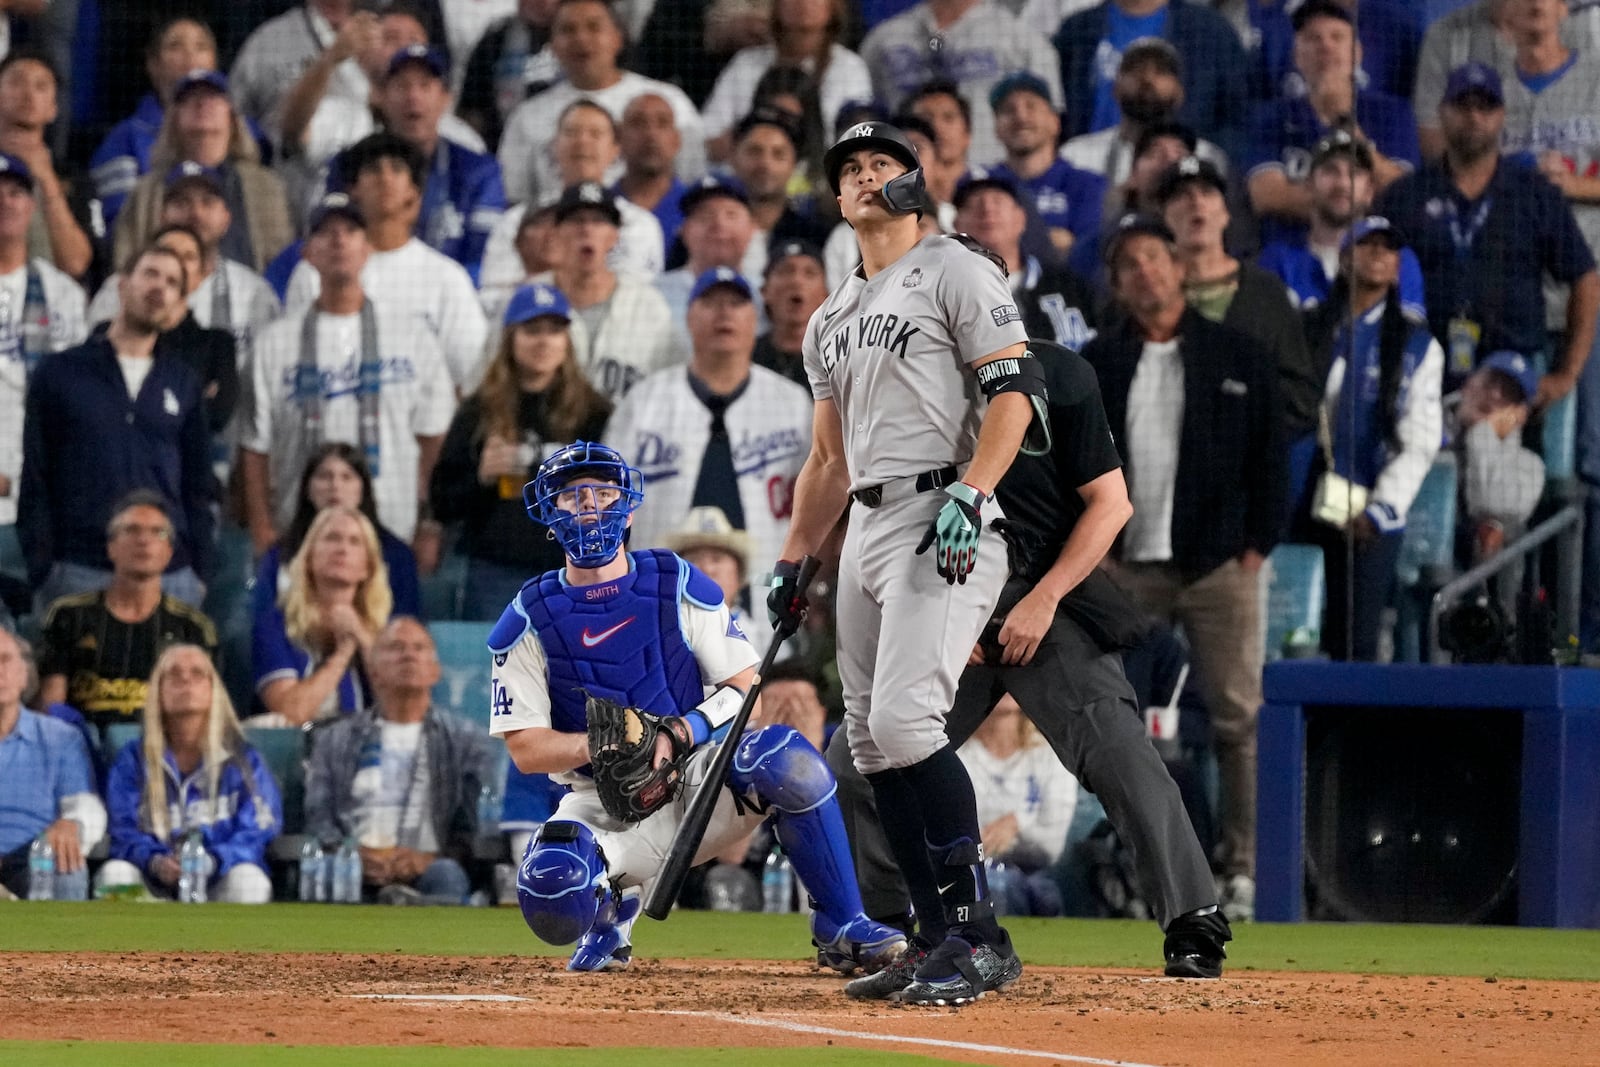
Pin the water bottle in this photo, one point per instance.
(310, 868)
(41, 869)
(999, 877)
(777, 882)
(347, 873)
(488, 811)
(192, 869)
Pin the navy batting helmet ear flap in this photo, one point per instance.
(906, 193)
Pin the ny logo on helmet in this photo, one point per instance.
(864, 129)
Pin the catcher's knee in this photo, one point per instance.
(561, 882)
(780, 767)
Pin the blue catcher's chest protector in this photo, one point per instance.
(622, 640)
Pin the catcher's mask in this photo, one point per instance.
(561, 882)
(590, 520)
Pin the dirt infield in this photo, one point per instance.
(1247, 1018)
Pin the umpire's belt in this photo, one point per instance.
(876, 495)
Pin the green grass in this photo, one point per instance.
(1442, 950)
(98, 1054)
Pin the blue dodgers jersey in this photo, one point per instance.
(622, 640)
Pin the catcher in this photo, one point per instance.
(613, 676)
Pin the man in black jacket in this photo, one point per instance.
(1193, 405)
(113, 415)
(1192, 198)
(1054, 645)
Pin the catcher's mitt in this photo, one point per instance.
(622, 753)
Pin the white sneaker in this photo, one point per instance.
(1239, 899)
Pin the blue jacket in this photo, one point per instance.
(86, 444)
(463, 199)
(236, 829)
(1214, 87)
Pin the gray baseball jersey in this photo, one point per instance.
(892, 353)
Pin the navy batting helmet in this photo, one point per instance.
(905, 193)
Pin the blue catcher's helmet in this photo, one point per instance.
(561, 882)
(590, 522)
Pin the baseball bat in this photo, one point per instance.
(686, 842)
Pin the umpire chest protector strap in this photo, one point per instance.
(1021, 374)
(622, 640)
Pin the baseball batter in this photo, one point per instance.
(900, 358)
(616, 676)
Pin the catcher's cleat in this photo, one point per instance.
(893, 978)
(959, 972)
(859, 944)
(1193, 946)
(608, 945)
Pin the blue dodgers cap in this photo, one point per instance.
(197, 173)
(536, 301)
(708, 187)
(716, 276)
(1373, 226)
(214, 80)
(431, 58)
(1474, 78)
(1023, 81)
(335, 205)
(1518, 366)
(16, 170)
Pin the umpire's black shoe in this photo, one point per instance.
(1194, 945)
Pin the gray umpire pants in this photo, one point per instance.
(1082, 704)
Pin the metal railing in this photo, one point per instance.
(1567, 525)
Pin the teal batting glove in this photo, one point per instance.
(956, 529)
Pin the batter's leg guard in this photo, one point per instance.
(608, 946)
(782, 769)
(964, 886)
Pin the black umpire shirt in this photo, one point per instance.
(1040, 494)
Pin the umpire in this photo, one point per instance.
(1054, 644)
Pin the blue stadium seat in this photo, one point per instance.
(228, 606)
(443, 590)
(282, 749)
(1428, 551)
(114, 738)
(1296, 597)
(1561, 439)
(11, 558)
(1431, 523)
(464, 656)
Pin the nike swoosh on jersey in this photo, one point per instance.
(591, 640)
(827, 316)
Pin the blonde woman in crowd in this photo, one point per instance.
(309, 654)
(192, 772)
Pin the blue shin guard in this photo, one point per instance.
(781, 768)
(608, 946)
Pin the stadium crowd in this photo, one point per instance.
(295, 297)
